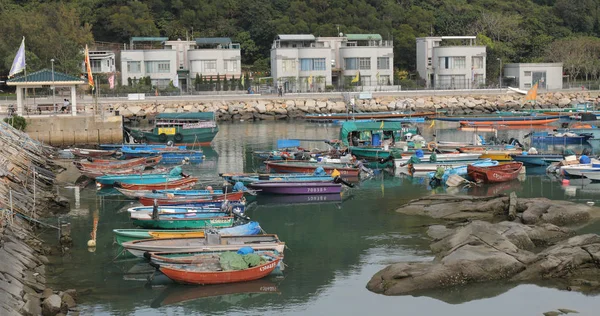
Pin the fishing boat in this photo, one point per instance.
(295, 166)
(525, 121)
(146, 211)
(175, 174)
(192, 257)
(183, 221)
(170, 155)
(295, 188)
(209, 271)
(164, 199)
(273, 200)
(211, 242)
(499, 173)
(82, 152)
(190, 128)
(440, 159)
(366, 115)
(135, 194)
(248, 178)
(124, 235)
(462, 170)
(114, 163)
(94, 173)
(498, 153)
(559, 138)
(537, 159)
(580, 170)
(183, 183)
(594, 142)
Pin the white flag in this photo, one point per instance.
(18, 64)
(176, 81)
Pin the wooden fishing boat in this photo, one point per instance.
(94, 173)
(248, 178)
(82, 152)
(166, 221)
(512, 123)
(192, 257)
(124, 235)
(559, 138)
(174, 174)
(295, 188)
(183, 183)
(191, 128)
(209, 271)
(502, 119)
(440, 159)
(199, 212)
(114, 163)
(223, 243)
(493, 153)
(136, 194)
(499, 173)
(366, 115)
(537, 159)
(179, 200)
(297, 166)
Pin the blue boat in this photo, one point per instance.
(170, 155)
(559, 138)
(296, 177)
(537, 159)
(119, 146)
(175, 174)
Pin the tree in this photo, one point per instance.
(218, 86)
(211, 86)
(225, 84)
(197, 82)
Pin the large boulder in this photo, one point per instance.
(51, 305)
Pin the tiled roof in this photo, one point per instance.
(45, 75)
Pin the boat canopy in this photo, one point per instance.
(349, 127)
(187, 116)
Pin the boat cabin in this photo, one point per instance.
(375, 133)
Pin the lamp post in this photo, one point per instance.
(53, 86)
(500, 74)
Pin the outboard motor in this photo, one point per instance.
(227, 188)
(338, 179)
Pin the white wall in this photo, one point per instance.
(524, 74)
(220, 55)
(372, 52)
(148, 55)
(464, 75)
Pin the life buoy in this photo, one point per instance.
(178, 137)
(431, 146)
(162, 137)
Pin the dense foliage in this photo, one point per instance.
(513, 30)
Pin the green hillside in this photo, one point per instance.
(513, 30)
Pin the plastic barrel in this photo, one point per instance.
(376, 140)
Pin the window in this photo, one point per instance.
(134, 67)
(204, 66)
(231, 65)
(477, 62)
(351, 63)
(288, 65)
(527, 85)
(365, 80)
(96, 65)
(383, 63)
(308, 64)
(364, 63)
(160, 66)
(429, 61)
(527, 74)
(452, 62)
(160, 83)
(384, 80)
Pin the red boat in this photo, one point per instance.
(207, 272)
(512, 123)
(180, 200)
(494, 174)
(112, 163)
(175, 184)
(301, 166)
(82, 152)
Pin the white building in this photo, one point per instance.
(302, 62)
(102, 61)
(451, 62)
(179, 61)
(549, 76)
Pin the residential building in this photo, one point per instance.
(451, 62)
(524, 75)
(303, 62)
(179, 61)
(102, 61)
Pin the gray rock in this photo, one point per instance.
(68, 300)
(47, 292)
(12, 288)
(32, 306)
(72, 293)
(51, 305)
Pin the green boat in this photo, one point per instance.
(172, 222)
(185, 129)
(364, 140)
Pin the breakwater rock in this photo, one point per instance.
(477, 251)
(276, 109)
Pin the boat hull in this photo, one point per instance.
(297, 188)
(500, 173)
(183, 183)
(309, 167)
(506, 122)
(537, 160)
(180, 223)
(136, 179)
(179, 200)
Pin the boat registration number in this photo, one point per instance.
(268, 266)
(317, 198)
(199, 125)
(219, 221)
(316, 190)
(166, 130)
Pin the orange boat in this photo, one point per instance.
(183, 183)
(512, 123)
(209, 271)
(184, 200)
(494, 174)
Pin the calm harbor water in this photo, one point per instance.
(334, 246)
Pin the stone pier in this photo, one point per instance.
(75, 130)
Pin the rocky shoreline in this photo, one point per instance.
(278, 109)
(479, 244)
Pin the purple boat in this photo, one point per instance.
(293, 188)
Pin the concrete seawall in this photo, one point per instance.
(281, 108)
(75, 130)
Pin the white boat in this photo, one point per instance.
(441, 159)
(580, 170)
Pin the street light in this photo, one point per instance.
(53, 86)
(500, 73)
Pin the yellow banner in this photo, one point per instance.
(166, 130)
